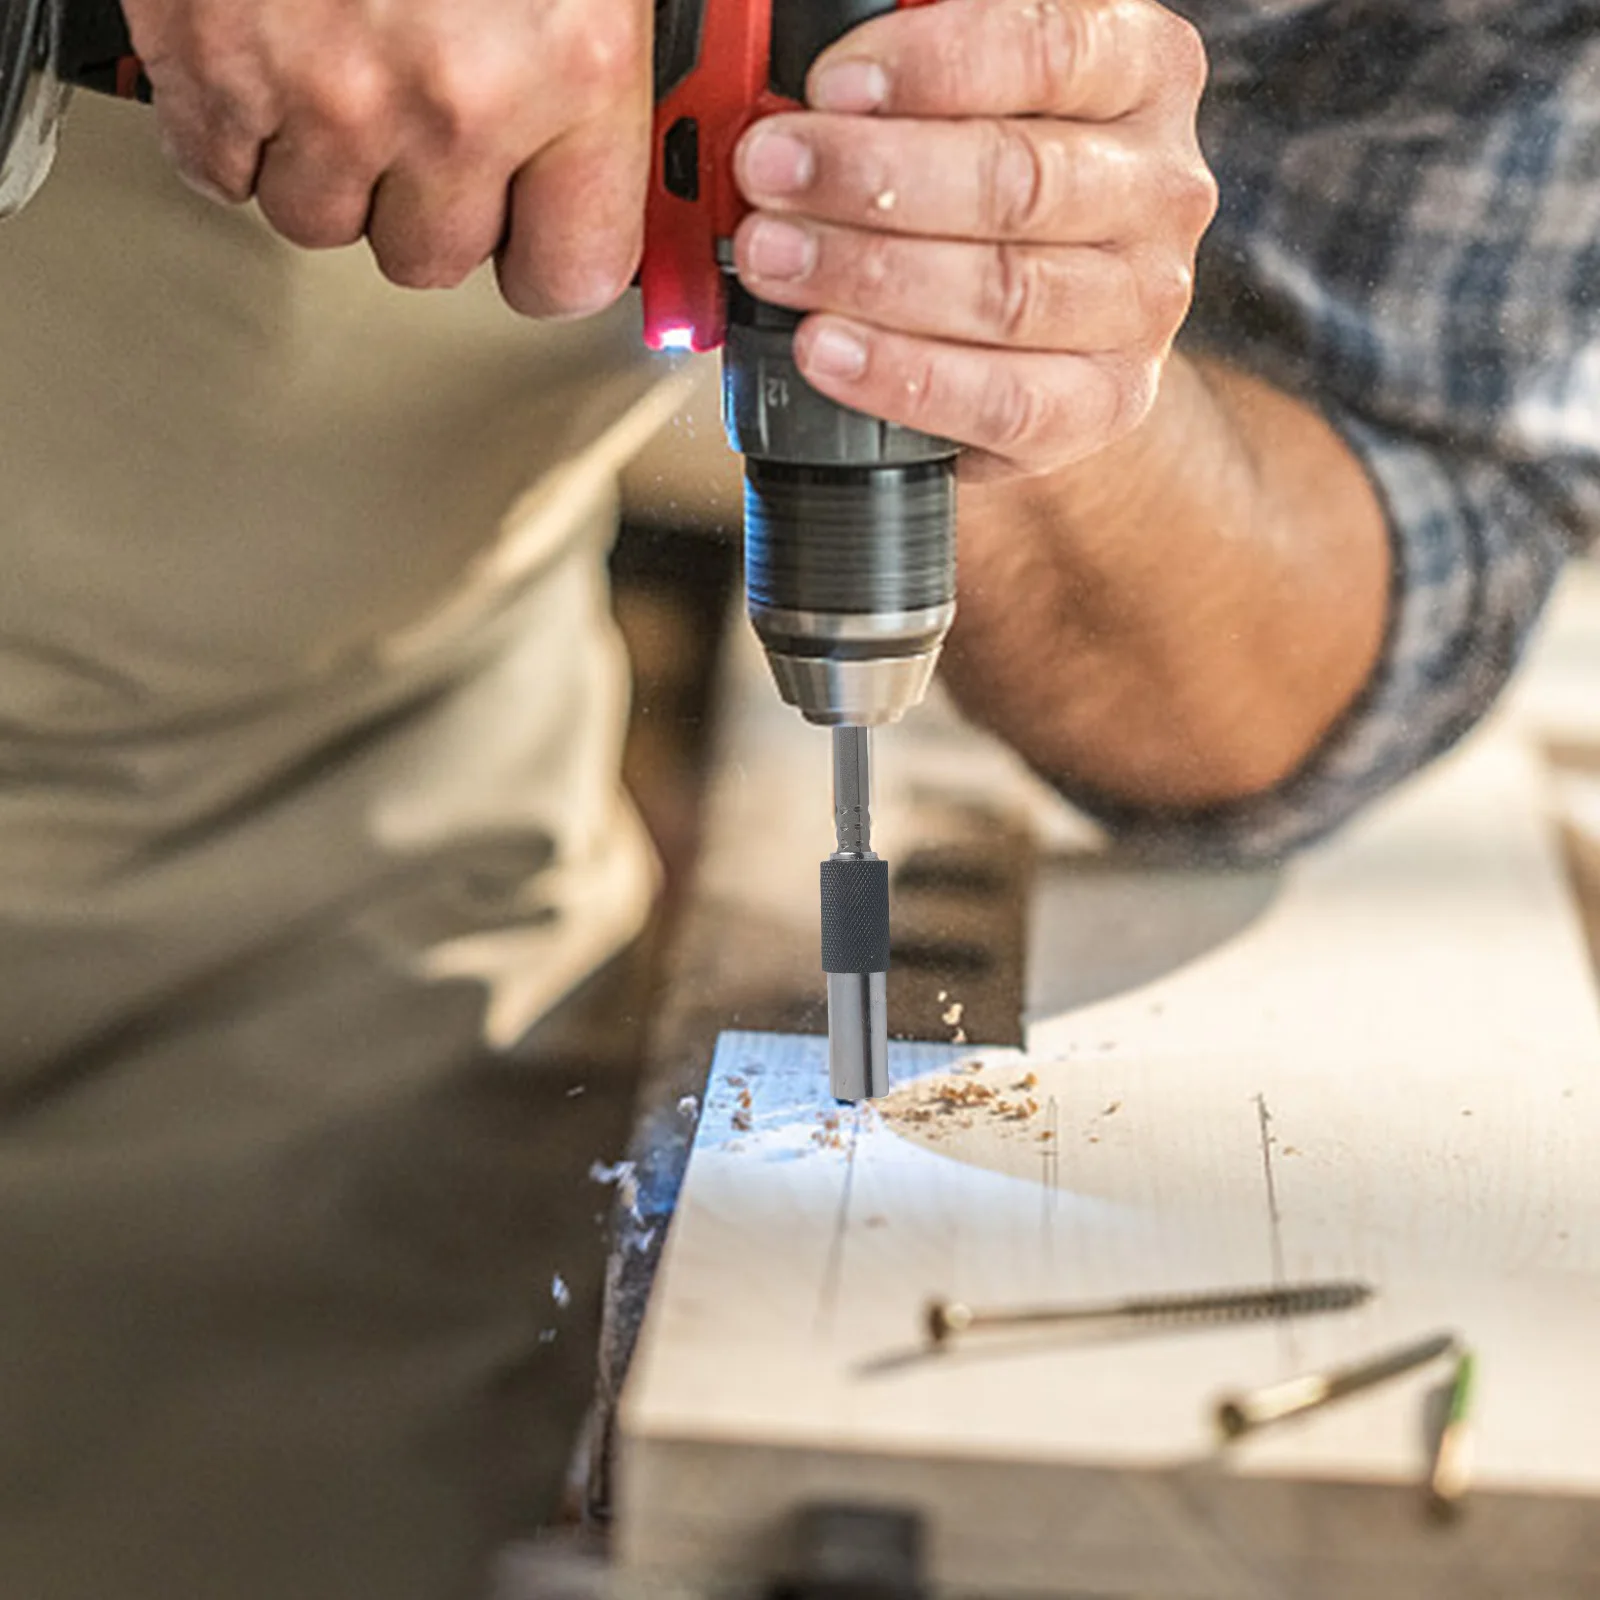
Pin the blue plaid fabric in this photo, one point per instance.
(1409, 240)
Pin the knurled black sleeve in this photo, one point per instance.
(855, 916)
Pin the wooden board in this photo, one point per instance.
(1403, 1029)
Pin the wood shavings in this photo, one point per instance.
(626, 1178)
(961, 1100)
(829, 1134)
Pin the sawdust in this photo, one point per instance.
(936, 1107)
(829, 1133)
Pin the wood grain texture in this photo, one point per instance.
(1409, 1017)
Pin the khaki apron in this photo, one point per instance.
(310, 707)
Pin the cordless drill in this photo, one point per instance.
(849, 521)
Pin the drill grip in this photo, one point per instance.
(803, 29)
(96, 51)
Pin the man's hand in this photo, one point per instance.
(445, 132)
(1173, 578)
(995, 205)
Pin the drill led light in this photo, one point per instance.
(678, 340)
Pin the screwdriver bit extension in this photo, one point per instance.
(855, 930)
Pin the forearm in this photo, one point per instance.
(1179, 620)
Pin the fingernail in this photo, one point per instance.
(836, 353)
(780, 250)
(777, 163)
(850, 86)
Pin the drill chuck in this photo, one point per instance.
(848, 582)
(849, 532)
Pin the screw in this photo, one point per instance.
(1452, 1459)
(945, 1319)
(1240, 1414)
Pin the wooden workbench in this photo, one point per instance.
(1384, 1062)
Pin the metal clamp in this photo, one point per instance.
(856, 1553)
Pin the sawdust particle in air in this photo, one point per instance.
(741, 1121)
(952, 1014)
(829, 1132)
(1112, 1109)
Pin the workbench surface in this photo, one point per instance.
(1382, 1063)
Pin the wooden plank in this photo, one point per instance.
(1404, 1026)
(954, 816)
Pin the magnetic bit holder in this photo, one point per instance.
(855, 930)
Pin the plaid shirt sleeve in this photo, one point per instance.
(1409, 240)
